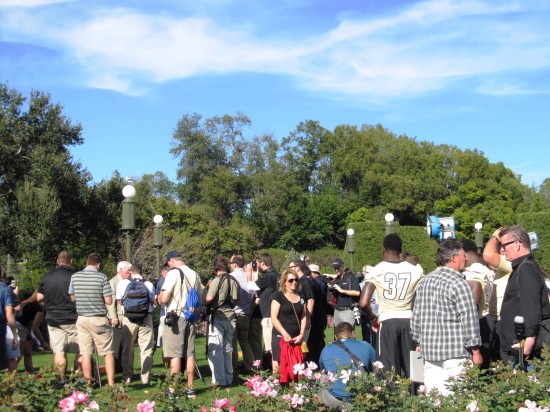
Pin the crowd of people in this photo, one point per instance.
(462, 312)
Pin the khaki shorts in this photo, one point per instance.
(267, 331)
(63, 338)
(178, 339)
(94, 330)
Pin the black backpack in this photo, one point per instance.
(228, 300)
(136, 301)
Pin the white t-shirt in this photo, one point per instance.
(179, 292)
(499, 286)
(485, 276)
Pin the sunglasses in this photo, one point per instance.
(293, 280)
(503, 246)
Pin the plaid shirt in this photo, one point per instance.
(445, 320)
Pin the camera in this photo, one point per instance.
(254, 265)
(357, 315)
(205, 312)
(171, 318)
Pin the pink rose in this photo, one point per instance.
(146, 406)
(221, 403)
(80, 397)
(312, 366)
(251, 381)
(261, 389)
(68, 404)
(296, 400)
(93, 406)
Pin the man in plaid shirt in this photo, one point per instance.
(445, 319)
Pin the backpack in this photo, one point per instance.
(191, 312)
(228, 300)
(136, 301)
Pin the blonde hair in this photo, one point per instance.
(284, 277)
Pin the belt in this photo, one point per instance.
(343, 308)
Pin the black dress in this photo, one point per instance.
(288, 320)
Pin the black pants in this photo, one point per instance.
(368, 334)
(490, 341)
(395, 344)
(315, 343)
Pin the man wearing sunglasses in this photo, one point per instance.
(347, 290)
(526, 295)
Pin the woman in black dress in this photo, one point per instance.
(288, 316)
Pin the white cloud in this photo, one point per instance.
(408, 51)
(30, 3)
(494, 87)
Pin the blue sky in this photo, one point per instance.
(472, 73)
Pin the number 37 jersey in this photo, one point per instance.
(395, 286)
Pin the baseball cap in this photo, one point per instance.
(337, 263)
(314, 268)
(171, 254)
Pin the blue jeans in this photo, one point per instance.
(220, 350)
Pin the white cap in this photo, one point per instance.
(314, 268)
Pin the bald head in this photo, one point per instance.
(64, 258)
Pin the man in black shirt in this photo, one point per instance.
(526, 294)
(267, 283)
(347, 290)
(316, 313)
(60, 311)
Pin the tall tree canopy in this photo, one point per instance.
(237, 192)
(46, 198)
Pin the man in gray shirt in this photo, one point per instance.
(91, 291)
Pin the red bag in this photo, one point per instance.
(291, 354)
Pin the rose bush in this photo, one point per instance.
(500, 388)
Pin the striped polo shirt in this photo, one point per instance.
(89, 286)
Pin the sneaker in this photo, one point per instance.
(191, 394)
(171, 393)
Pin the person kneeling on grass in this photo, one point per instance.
(344, 352)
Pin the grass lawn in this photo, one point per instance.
(138, 392)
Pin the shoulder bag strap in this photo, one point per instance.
(182, 277)
(295, 314)
(354, 359)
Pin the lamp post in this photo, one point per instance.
(390, 225)
(157, 241)
(479, 236)
(128, 217)
(351, 246)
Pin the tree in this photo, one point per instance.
(42, 190)
(205, 148)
